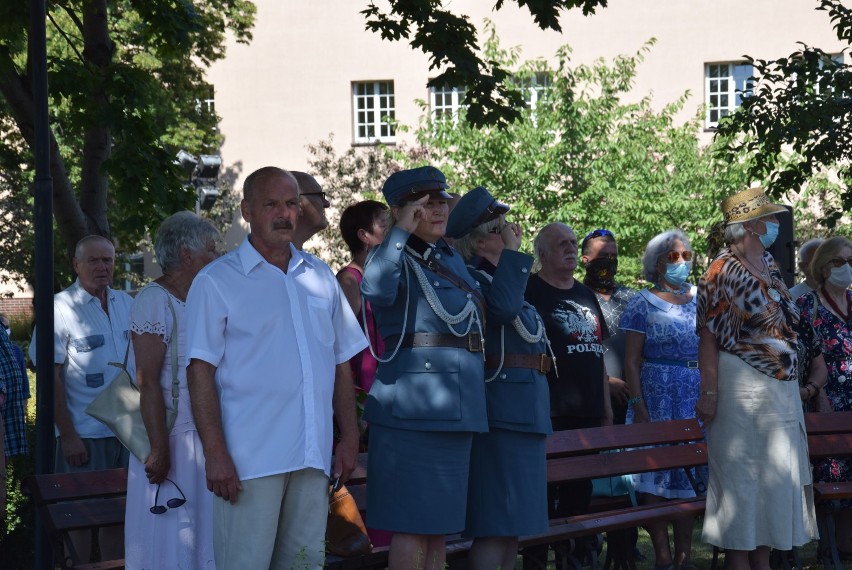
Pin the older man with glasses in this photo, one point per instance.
(312, 204)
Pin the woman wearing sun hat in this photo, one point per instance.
(760, 494)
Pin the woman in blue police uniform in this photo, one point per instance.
(507, 494)
(428, 397)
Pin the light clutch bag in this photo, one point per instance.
(118, 405)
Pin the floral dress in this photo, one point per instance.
(669, 376)
(835, 337)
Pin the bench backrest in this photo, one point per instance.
(581, 454)
(595, 440)
(70, 501)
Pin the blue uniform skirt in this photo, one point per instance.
(507, 494)
(417, 480)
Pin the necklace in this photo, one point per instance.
(763, 274)
(662, 289)
(842, 314)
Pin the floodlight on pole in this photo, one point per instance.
(186, 161)
(206, 175)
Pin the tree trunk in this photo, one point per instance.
(97, 52)
(17, 91)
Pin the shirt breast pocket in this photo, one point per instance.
(89, 355)
(88, 343)
(319, 315)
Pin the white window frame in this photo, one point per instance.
(533, 87)
(373, 112)
(725, 83)
(446, 102)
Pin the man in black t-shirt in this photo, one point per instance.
(575, 325)
(579, 386)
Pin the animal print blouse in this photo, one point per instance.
(737, 308)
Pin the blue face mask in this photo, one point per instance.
(771, 234)
(676, 273)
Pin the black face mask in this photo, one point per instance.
(600, 274)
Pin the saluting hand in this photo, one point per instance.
(511, 235)
(411, 213)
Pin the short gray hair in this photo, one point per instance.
(541, 238)
(734, 232)
(466, 245)
(81, 245)
(266, 172)
(659, 245)
(182, 231)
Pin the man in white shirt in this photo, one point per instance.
(269, 336)
(806, 253)
(90, 330)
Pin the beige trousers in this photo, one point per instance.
(278, 522)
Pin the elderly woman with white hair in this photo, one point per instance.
(172, 528)
(760, 494)
(661, 371)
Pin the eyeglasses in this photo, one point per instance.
(173, 503)
(496, 229)
(320, 194)
(839, 261)
(333, 486)
(674, 256)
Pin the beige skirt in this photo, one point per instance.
(760, 491)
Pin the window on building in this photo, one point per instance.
(533, 87)
(836, 58)
(134, 272)
(374, 111)
(445, 102)
(724, 87)
(208, 103)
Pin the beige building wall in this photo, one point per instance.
(292, 86)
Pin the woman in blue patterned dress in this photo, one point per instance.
(829, 310)
(661, 370)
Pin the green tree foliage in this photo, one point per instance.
(126, 83)
(589, 157)
(449, 39)
(584, 155)
(795, 128)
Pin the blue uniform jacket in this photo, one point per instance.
(426, 389)
(518, 399)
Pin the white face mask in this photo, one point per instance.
(841, 276)
(8, 332)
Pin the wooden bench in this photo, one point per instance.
(79, 501)
(829, 435)
(576, 455)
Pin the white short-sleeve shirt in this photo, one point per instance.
(275, 339)
(85, 341)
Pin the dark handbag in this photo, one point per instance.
(345, 533)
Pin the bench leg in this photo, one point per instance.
(828, 542)
(715, 561)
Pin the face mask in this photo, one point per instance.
(768, 238)
(8, 332)
(676, 273)
(841, 276)
(600, 273)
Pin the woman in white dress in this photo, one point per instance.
(168, 521)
